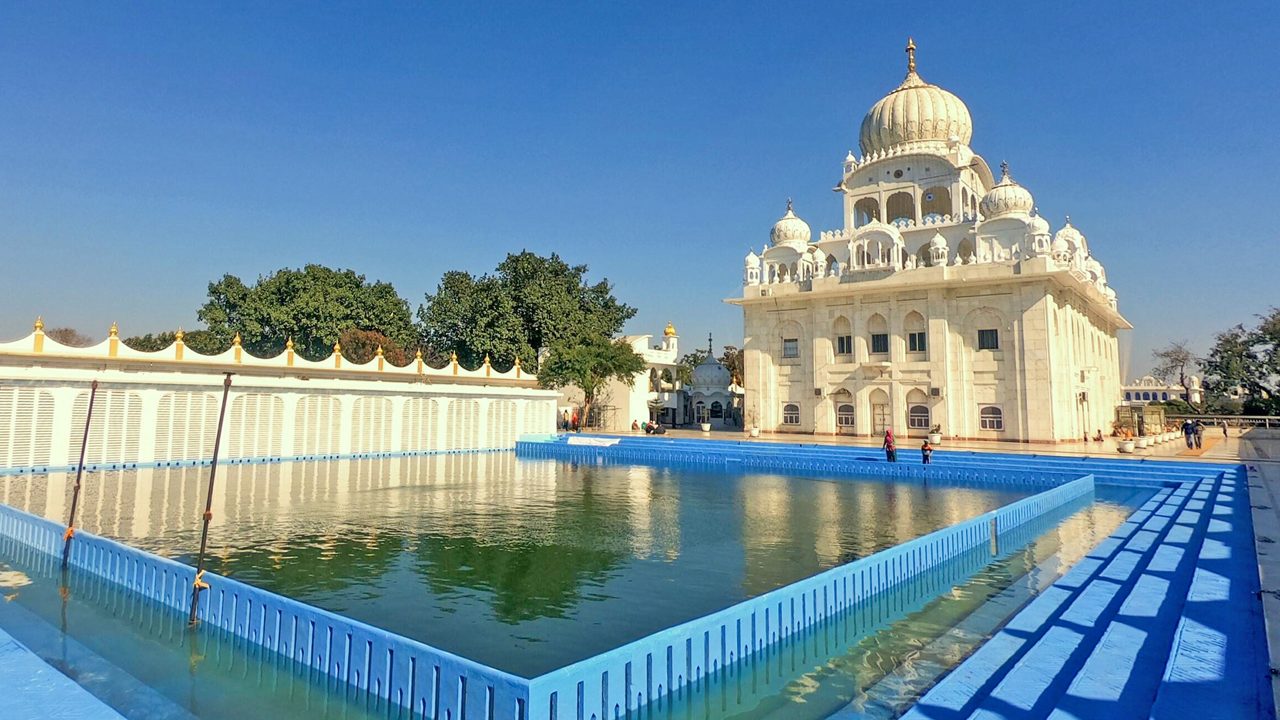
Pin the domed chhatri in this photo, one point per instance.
(1007, 197)
(915, 113)
(940, 299)
(790, 229)
(669, 331)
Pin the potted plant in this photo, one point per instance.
(753, 429)
(1124, 440)
(935, 435)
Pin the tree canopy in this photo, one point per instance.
(529, 303)
(1247, 358)
(313, 306)
(201, 341)
(1175, 363)
(474, 317)
(70, 337)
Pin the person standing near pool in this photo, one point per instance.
(1189, 432)
(926, 452)
(890, 450)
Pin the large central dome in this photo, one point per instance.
(915, 113)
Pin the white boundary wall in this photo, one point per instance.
(159, 412)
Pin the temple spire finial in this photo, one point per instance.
(710, 352)
(789, 205)
(1004, 169)
(911, 55)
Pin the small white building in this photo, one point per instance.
(945, 299)
(711, 394)
(1148, 390)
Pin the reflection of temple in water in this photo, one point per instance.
(786, 533)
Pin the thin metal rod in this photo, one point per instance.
(198, 585)
(75, 495)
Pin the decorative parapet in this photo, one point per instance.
(113, 352)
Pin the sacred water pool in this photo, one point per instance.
(526, 565)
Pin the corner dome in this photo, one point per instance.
(1069, 235)
(938, 242)
(669, 330)
(1006, 198)
(753, 260)
(915, 113)
(790, 230)
(1039, 226)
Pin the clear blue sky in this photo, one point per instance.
(148, 149)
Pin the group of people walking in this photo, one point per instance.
(891, 448)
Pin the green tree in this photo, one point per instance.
(473, 317)
(1250, 359)
(201, 341)
(732, 361)
(556, 304)
(313, 306)
(589, 366)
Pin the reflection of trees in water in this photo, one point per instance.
(307, 565)
(542, 574)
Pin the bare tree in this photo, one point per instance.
(1175, 363)
(69, 336)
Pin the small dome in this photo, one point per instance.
(711, 374)
(915, 112)
(1039, 226)
(790, 230)
(1007, 197)
(1060, 246)
(938, 242)
(1071, 236)
(753, 260)
(670, 331)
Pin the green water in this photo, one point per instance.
(523, 565)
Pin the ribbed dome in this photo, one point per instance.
(938, 242)
(790, 230)
(1070, 236)
(1039, 226)
(711, 374)
(1006, 197)
(915, 112)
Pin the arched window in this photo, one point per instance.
(1146, 396)
(991, 417)
(717, 410)
(842, 336)
(1128, 396)
(699, 412)
(844, 416)
(1164, 396)
(918, 417)
(878, 330)
(913, 325)
(900, 206)
(791, 414)
(865, 210)
(935, 203)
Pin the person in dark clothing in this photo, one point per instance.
(1189, 432)
(890, 449)
(926, 452)
(1199, 434)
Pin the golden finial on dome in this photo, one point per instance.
(114, 330)
(337, 347)
(288, 344)
(911, 55)
(380, 351)
(670, 331)
(39, 326)
(236, 340)
(177, 337)
(417, 355)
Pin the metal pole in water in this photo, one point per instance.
(199, 583)
(995, 538)
(75, 494)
